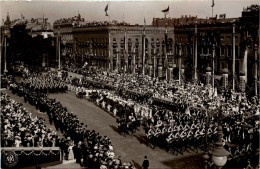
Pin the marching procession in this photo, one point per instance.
(178, 92)
(182, 122)
(176, 119)
(87, 147)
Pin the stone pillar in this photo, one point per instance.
(208, 75)
(255, 70)
(244, 63)
(170, 71)
(133, 60)
(117, 59)
(150, 70)
(160, 69)
(182, 71)
(126, 64)
(154, 63)
(225, 78)
(242, 82)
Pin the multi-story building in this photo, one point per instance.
(26, 40)
(121, 46)
(190, 42)
(226, 37)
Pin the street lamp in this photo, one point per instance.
(219, 154)
(206, 156)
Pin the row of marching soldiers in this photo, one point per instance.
(45, 83)
(185, 131)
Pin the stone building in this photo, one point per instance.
(198, 38)
(196, 45)
(124, 47)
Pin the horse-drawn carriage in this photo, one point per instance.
(80, 94)
(127, 127)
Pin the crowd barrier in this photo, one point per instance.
(24, 157)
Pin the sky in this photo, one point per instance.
(132, 11)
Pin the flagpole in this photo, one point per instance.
(234, 55)
(109, 13)
(196, 48)
(213, 68)
(125, 53)
(59, 47)
(110, 65)
(166, 40)
(180, 65)
(155, 56)
(213, 3)
(212, 11)
(143, 54)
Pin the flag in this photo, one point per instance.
(166, 11)
(144, 22)
(106, 10)
(213, 3)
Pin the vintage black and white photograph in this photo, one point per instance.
(130, 84)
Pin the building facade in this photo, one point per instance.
(189, 43)
(122, 47)
(228, 38)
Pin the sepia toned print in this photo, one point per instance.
(130, 84)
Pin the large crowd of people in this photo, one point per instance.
(179, 115)
(86, 146)
(20, 129)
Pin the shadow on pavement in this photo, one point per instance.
(137, 166)
(142, 139)
(188, 162)
(116, 129)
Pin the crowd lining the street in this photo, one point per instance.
(87, 147)
(178, 115)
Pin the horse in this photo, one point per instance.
(122, 126)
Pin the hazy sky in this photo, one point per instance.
(129, 11)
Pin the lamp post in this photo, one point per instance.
(206, 156)
(219, 154)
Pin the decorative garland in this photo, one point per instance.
(50, 152)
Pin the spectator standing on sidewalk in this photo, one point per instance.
(145, 164)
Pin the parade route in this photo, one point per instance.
(130, 148)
